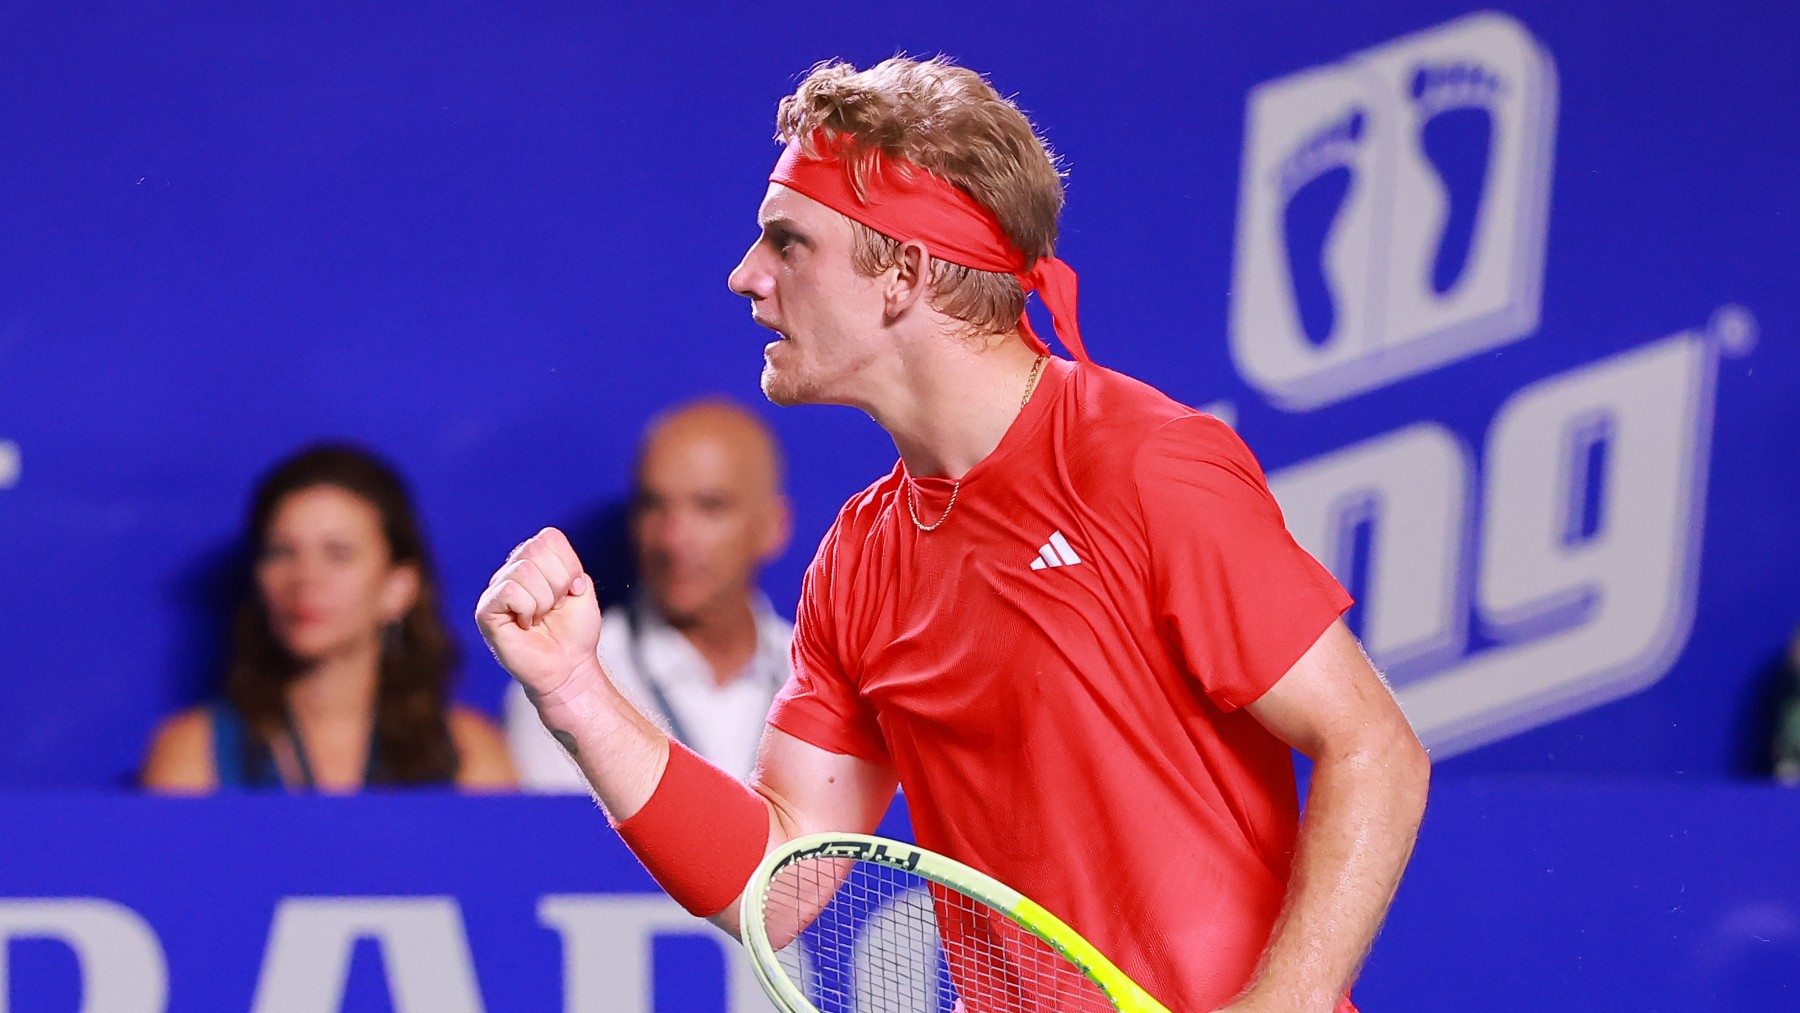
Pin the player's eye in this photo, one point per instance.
(783, 241)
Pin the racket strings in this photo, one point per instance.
(859, 936)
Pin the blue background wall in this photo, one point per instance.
(491, 241)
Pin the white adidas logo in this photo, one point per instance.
(1055, 552)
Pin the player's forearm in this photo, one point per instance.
(697, 830)
(620, 752)
(781, 831)
(1362, 816)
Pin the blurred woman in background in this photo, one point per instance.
(340, 665)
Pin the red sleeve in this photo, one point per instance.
(820, 703)
(1237, 599)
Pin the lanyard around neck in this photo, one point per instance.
(307, 780)
(638, 623)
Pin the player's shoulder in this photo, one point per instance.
(862, 512)
(1108, 405)
(1121, 418)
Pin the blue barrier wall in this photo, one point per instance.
(1523, 895)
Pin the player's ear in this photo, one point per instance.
(908, 278)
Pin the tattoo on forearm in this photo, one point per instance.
(566, 740)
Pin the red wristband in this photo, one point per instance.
(701, 834)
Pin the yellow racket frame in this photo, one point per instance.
(1124, 994)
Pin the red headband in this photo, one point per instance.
(905, 202)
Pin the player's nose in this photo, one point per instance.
(749, 278)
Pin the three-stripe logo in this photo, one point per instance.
(1055, 552)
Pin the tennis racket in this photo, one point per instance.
(846, 923)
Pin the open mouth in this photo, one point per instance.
(760, 322)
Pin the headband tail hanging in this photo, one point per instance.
(1055, 283)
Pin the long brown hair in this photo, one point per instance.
(411, 733)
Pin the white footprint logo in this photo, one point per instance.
(1455, 103)
(1315, 182)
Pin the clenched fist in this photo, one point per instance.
(539, 616)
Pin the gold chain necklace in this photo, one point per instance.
(1037, 369)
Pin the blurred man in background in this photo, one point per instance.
(697, 648)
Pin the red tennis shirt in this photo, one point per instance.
(1057, 672)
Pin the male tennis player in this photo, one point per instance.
(1070, 621)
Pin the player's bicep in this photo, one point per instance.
(1332, 700)
(810, 789)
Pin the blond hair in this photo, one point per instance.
(952, 123)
